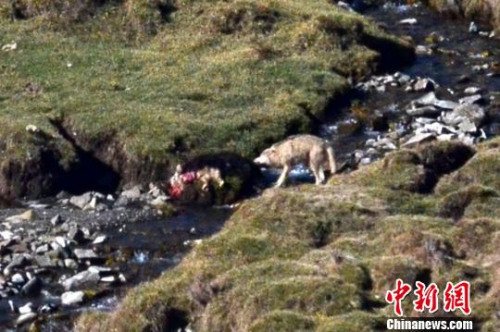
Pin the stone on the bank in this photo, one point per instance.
(77, 235)
(423, 50)
(100, 239)
(17, 261)
(70, 264)
(82, 254)
(17, 279)
(472, 90)
(45, 261)
(56, 220)
(81, 201)
(133, 193)
(428, 110)
(40, 250)
(467, 126)
(477, 98)
(6, 235)
(25, 309)
(419, 138)
(472, 112)
(446, 104)
(25, 216)
(28, 317)
(72, 298)
(424, 84)
(84, 278)
(409, 21)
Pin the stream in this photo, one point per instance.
(126, 242)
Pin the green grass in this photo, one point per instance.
(213, 76)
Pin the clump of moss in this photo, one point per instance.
(455, 204)
(481, 170)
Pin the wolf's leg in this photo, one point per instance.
(283, 176)
(321, 174)
(316, 172)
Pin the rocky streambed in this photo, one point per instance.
(72, 253)
(450, 92)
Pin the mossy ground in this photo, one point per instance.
(164, 80)
(322, 257)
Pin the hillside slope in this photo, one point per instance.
(138, 85)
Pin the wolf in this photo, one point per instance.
(309, 150)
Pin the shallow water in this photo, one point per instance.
(445, 69)
(141, 249)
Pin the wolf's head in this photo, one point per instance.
(268, 157)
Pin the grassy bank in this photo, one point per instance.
(144, 83)
(322, 257)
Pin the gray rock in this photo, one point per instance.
(25, 309)
(45, 261)
(477, 98)
(28, 317)
(409, 21)
(423, 50)
(424, 84)
(473, 27)
(419, 138)
(100, 239)
(446, 137)
(446, 104)
(80, 280)
(17, 279)
(472, 90)
(82, 254)
(60, 241)
(472, 112)
(33, 287)
(423, 111)
(22, 217)
(133, 193)
(81, 201)
(18, 261)
(70, 264)
(44, 248)
(77, 235)
(6, 235)
(72, 298)
(56, 220)
(467, 126)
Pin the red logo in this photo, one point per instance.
(427, 297)
(455, 296)
(397, 295)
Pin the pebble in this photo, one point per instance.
(56, 220)
(25, 309)
(28, 317)
(409, 21)
(72, 298)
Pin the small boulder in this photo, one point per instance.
(82, 279)
(72, 298)
(25, 216)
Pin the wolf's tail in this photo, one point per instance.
(331, 160)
